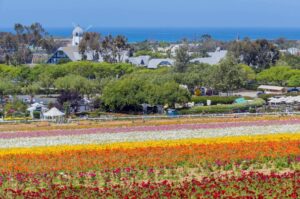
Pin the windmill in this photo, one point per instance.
(78, 34)
(88, 28)
(85, 30)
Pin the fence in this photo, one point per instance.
(235, 115)
(156, 117)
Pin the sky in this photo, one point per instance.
(152, 13)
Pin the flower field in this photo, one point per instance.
(179, 158)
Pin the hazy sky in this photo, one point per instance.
(152, 13)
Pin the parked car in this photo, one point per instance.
(260, 93)
(293, 90)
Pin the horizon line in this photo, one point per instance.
(166, 27)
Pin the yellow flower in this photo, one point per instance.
(163, 143)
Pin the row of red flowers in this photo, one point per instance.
(245, 185)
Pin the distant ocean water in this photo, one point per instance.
(177, 34)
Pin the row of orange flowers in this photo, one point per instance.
(149, 154)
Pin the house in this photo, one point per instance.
(294, 51)
(277, 90)
(147, 62)
(156, 63)
(71, 53)
(37, 107)
(214, 57)
(140, 61)
(291, 51)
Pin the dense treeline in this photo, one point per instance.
(122, 87)
(112, 49)
(17, 49)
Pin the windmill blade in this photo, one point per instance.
(89, 27)
(74, 24)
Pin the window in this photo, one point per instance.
(164, 63)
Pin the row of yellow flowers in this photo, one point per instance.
(147, 144)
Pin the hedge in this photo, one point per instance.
(215, 99)
(224, 108)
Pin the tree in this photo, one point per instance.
(19, 28)
(150, 87)
(76, 84)
(83, 47)
(69, 99)
(120, 43)
(6, 88)
(113, 48)
(90, 42)
(228, 76)
(32, 90)
(49, 44)
(17, 48)
(278, 75)
(259, 54)
(21, 56)
(248, 72)
(9, 45)
(207, 44)
(36, 32)
(182, 58)
(151, 54)
(196, 75)
(125, 93)
(290, 60)
(46, 82)
(294, 81)
(15, 107)
(107, 48)
(168, 93)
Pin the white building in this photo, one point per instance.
(77, 35)
(71, 52)
(214, 57)
(276, 90)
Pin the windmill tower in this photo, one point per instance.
(77, 35)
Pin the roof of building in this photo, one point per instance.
(73, 53)
(155, 63)
(140, 60)
(267, 87)
(54, 112)
(214, 57)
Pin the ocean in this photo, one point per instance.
(177, 34)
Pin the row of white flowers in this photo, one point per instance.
(146, 136)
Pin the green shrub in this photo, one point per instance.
(224, 108)
(215, 99)
(37, 115)
(18, 114)
(150, 53)
(95, 114)
(266, 96)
